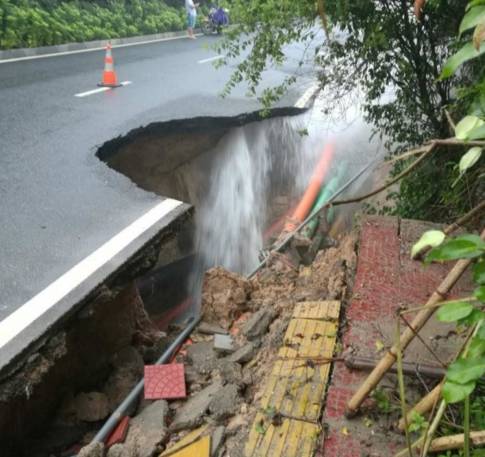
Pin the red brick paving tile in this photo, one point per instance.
(165, 381)
(385, 279)
(118, 435)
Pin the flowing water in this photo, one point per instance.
(262, 161)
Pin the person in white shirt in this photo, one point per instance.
(191, 9)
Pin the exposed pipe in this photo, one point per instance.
(290, 235)
(115, 417)
(307, 201)
(323, 197)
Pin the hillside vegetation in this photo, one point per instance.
(32, 23)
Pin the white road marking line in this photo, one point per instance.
(21, 318)
(100, 89)
(101, 48)
(211, 59)
(307, 95)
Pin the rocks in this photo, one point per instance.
(128, 370)
(236, 424)
(244, 354)
(230, 372)
(92, 450)
(192, 413)
(90, 407)
(117, 450)
(217, 439)
(223, 344)
(202, 356)
(258, 323)
(211, 329)
(224, 296)
(147, 430)
(226, 403)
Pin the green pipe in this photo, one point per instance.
(323, 197)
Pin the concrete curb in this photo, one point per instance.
(87, 46)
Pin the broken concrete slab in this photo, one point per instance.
(244, 354)
(217, 439)
(258, 323)
(202, 356)
(192, 413)
(223, 344)
(147, 430)
(92, 450)
(210, 329)
(226, 403)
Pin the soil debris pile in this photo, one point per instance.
(224, 296)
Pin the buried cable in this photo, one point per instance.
(290, 236)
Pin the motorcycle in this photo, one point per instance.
(217, 19)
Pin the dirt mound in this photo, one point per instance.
(328, 276)
(224, 296)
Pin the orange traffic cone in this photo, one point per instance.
(109, 74)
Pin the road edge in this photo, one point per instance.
(13, 55)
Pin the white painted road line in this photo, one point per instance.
(20, 319)
(100, 89)
(102, 48)
(307, 96)
(211, 59)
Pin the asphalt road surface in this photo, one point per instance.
(59, 203)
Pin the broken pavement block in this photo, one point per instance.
(258, 323)
(211, 329)
(200, 448)
(118, 435)
(165, 381)
(223, 343)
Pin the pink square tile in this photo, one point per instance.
(165, 381)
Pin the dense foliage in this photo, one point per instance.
(31, 23)
(380, 49)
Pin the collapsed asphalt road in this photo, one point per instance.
(59, 202)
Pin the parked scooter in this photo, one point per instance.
(217, 19)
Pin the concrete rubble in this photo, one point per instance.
(226, 361)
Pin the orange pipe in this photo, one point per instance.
(311, 193)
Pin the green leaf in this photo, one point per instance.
(466, 53)
(479, 272)
(475, 316)
(454, 249)
(431, 238)
(476, 348)
(465, 370)
(467, 125)
(454, 311)
(469, 159)
(454, 393)
(477, 133)
(480, 293)
(472, 18)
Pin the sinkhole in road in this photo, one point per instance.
(242, 174)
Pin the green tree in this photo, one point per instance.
(394, 59)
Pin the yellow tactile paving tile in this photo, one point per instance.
(319, 310)
(299, 397)
(290, 438)
(308, 338)
(185, 441)
(287, 424)
(201, 448)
